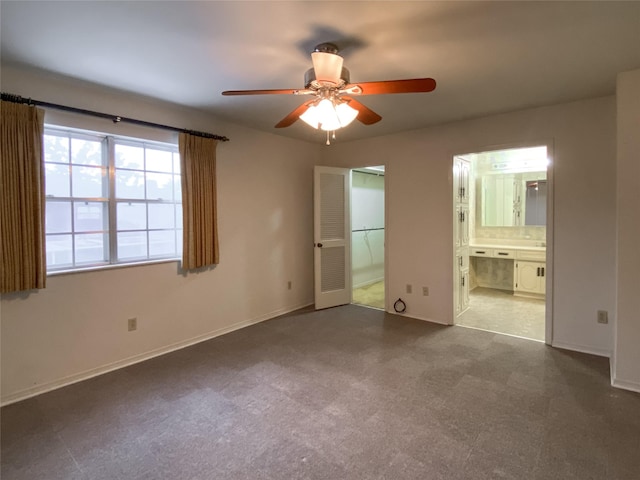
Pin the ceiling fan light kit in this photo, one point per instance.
(330, 83)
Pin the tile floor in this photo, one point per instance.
(500, 311)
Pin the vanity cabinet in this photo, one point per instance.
(529, 277)
(524, 270)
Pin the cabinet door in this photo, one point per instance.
(529, 277)
(464, 171)
(461, 173)
(461, 223)
(464, 290)
(461, 291)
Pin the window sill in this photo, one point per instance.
(144, 263)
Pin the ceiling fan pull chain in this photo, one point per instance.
(328, 142)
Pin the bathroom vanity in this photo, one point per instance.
(519, 268)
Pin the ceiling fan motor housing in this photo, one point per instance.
(310, 80)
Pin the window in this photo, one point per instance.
(110, 200)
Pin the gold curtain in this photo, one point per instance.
(198, 173)
(22, 196)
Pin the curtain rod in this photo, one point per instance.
(8, 97)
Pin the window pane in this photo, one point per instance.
(129, 184)
(132, 245)
(159, 160)
(59, 248)
(86, 152)
(56, 149)
(176, 163)
(58, 217)
(159, 186)
(179, 242)
(132, 216)
(88, 181)
(161, 215)
(57, 180)
(90, 216)
(162, 243)
(129, 157)
(179, 216)
(90, 248)
(177, 188)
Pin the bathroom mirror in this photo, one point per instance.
(512, 199)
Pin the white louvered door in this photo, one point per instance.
(331, 237)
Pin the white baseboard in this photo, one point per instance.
(582, 349)
(625, 384)
(94, 372)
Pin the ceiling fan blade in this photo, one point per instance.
(413, 85)
(293, 116)
(365, 114)
(288, 91)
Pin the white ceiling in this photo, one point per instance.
(487, 57)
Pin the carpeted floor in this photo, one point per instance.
(343, 393)
(370, 295)
(502, 312)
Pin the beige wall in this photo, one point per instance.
(419, 215)
(77, 326)
(626, 361)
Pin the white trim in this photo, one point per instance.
(500, 333)
(94, 372)
(423, 319)
(549, 142)
(582, 349)
(625, 385)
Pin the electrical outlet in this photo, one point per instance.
(132, 324)
(425, 291)
(409, 288)
(289, 285)
(603, 316)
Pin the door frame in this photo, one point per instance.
(549, 143)
(386, 233)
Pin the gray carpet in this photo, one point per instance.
(345, 393)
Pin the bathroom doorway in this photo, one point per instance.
(368, 236)
(502, 216)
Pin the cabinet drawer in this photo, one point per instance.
(534, 255)
(481, 252)
(503, 253)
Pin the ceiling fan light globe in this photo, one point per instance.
(328, 117)
(346, 114)
(311, 117)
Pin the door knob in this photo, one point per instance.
(319, 245)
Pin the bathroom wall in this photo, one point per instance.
(367, 212)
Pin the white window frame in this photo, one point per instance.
(111, 202)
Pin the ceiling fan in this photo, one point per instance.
(332, 105)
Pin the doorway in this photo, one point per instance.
(368, 236)
(502, 223)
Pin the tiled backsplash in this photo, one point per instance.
(533, 234)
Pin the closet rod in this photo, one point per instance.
(9, 97)
(367, 230)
